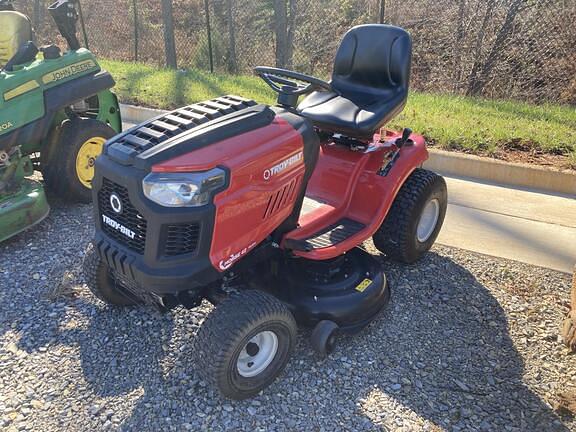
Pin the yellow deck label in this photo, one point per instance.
(21, 89)
(68, 71)
(363, 285)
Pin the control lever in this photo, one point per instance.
(405, 139)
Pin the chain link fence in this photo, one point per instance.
(520, 49)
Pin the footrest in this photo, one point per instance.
(334, 234)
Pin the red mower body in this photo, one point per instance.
(286, 187)
(267, 170)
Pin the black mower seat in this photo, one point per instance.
(370, 82)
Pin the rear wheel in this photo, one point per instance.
(245, 343)
(415, 219)
(68, 163)
(102, 282)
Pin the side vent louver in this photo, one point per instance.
(280, 198)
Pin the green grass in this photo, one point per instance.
(474, 125)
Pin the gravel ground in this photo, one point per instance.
(468, 342)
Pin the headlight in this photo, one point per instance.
(183, 189)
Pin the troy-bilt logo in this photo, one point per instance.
(283, 166)
(116, 203)
(118, 227)
(227, 263)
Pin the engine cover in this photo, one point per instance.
(268, 155)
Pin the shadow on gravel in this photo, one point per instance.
(440, 353)
(448, 355)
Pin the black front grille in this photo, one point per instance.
(181, 239)
(129, 218)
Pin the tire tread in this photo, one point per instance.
(393, 236)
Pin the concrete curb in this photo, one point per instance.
(451, 163)
(507, 173)
(135, 114)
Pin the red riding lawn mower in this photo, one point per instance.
(262, 210)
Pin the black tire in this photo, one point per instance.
(58, 160)
(323, 337)
(397, 236)
(229, 328)
(101, 281)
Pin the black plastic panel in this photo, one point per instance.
(129, 218)
(181, 239)
(186, 129)
(335, 234)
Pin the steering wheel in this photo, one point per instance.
(280, 81)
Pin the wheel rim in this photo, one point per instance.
(428, 220)
(86, 158)
(257, 354)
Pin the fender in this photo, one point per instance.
(56, 99)
(366, 194)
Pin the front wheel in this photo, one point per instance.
(245, 343)
(415, 218)
(68, 162)
(102, 282)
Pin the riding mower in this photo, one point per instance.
(56, 112)
(263, 210)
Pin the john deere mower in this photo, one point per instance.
(263, 210)
(56, 112)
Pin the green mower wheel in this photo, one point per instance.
(68, 165)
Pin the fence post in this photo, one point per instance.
(136, 24)
(169, 43)
(209, 34)
(382, 11)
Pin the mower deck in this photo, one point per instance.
(349, 290)
(23, 209)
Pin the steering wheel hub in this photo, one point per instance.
(290, 85)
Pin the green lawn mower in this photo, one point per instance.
(56, 113)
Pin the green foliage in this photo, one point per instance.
(482, 125)
(453, 122)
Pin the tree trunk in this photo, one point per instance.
(232, 62)
(569, 327)
(457, 72)
(37, 16)
(281, 31)
(169, 42)
(290, 35)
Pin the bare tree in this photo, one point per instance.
(477, 85)
(232, 62)
(488, 15)
(290, 33)
(281, 31)
(458, 41)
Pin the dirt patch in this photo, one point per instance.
(520, 153)
(535, 157)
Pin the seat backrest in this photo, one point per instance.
(373, 62)
(15, 30)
